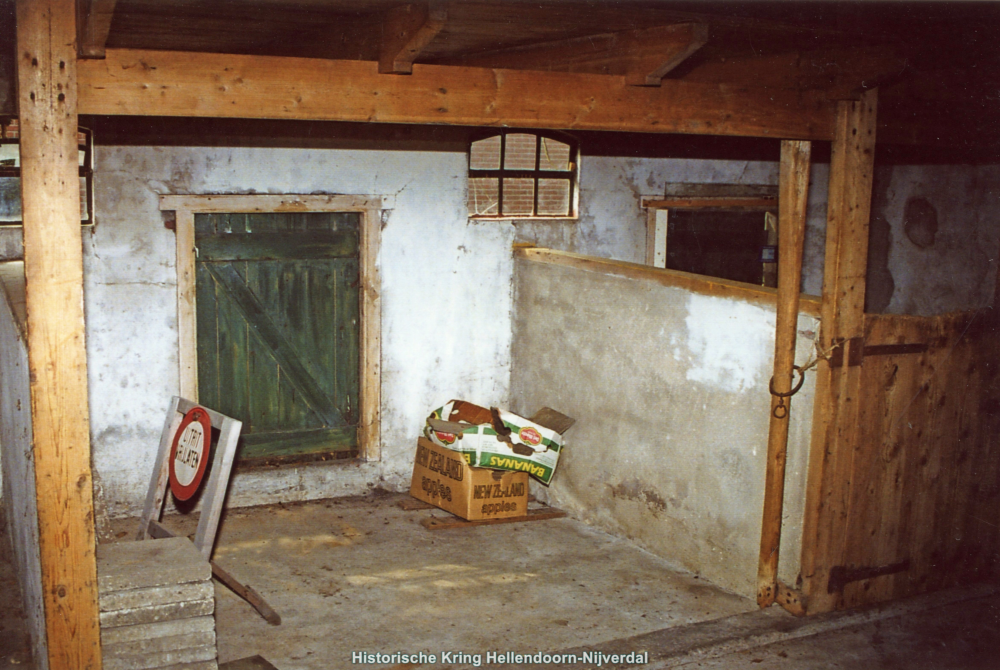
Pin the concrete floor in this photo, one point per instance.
(363, 575)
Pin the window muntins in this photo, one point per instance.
(517, 174)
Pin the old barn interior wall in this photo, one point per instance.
(670, 390)
(19, 501)
(446, 300)
(443, 279)
(934, 238)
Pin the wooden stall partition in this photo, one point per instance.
(904, 473)
(835, 420)
(926, 470)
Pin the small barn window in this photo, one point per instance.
(719, 230)
(516, 174)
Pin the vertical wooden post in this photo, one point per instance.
(793, 191)
(57, 359)
(369, 429)
(835, 413)
(187, 316)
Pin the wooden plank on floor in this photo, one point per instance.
(442, 523)
(412, 504)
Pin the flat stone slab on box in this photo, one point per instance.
(124, 566)
(201, 665)
(150, 631)
(177, 657)
(157, 595)
(171, 612)
(159, 645)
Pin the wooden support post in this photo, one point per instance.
(93, 25)
(406, 31)
(835, 413)
(792, 199)
(57, 356)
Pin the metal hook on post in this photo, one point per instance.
(780, 410)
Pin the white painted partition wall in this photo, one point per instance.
(16, 457)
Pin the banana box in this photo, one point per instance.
(496, 439)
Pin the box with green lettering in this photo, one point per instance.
(498, 439)
(444, 478)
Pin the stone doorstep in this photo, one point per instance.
(178, 657)
(149, 631)
(159, 645)
(144, 615)
(124, 566)
(156, 595)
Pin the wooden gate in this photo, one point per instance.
(913, 505)
(278, 328)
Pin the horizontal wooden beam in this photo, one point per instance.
(230, 204)
(163, 83)
(842, 73)
(642, 56)
(406, 30)
(708, 203)
(723, 288)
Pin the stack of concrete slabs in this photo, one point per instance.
(157, 606)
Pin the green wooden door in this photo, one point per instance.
(278, 347)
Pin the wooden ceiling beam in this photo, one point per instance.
(642, 56)
(93, 25)
(843, 73)
(406, 31)
(166, 83)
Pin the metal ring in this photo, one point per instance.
(784, 412)
(795, 389)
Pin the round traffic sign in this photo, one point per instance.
(189, 453)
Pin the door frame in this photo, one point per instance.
(370, 208)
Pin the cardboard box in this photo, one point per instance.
(505, 441)
(444, 478)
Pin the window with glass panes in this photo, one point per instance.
(516, 174)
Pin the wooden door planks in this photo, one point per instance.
(794, 187)
(835, 413)
(923, 478)
(53, 268)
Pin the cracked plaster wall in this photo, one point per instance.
(445, 300)
(670, 392)
(935, 238)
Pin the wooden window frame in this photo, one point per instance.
(10, 135)
(370, 208)
(658, 212)
(572, 175)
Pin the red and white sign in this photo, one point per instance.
(189, 453)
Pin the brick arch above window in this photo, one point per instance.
(516, 174)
